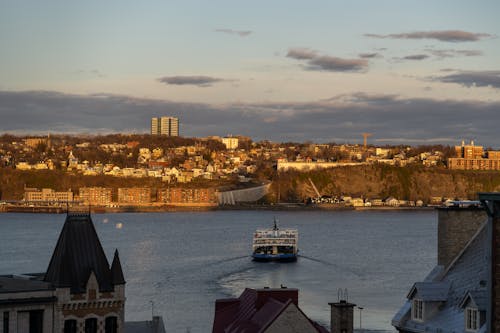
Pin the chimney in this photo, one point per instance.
(341, 317)
(456, 226)
(491, 201)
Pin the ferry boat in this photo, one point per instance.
(275, 244)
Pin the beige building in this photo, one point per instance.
(168, 126)
(47, 194)
(230, 142)
(98, 196)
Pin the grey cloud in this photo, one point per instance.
(301, 54)
(416, 57)
(316, 62)
(448, 53)
(441, 35)
(195, 80)
(472, 78)
(343, 118)
(369, 55)
(241, 33)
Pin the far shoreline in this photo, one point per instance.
(204, 208)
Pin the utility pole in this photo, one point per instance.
(360, 310)
(365, 137)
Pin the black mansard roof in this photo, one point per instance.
(78, 253)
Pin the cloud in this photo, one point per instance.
(369, 55)
(241, 33)
(416, 57)
(317, 62)
(195, 80)
(454, 36)
(342, 118)
(472, 78)
(449, 53)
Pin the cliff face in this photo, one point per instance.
(379, 181)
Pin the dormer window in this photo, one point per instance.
(418, 310)
(471, 319)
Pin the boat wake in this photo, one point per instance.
(344, 269)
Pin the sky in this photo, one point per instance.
(410, 72)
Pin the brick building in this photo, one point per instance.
(472, 157)
(97, 196)
(134, 195)
(177, 195)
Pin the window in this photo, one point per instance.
(36, 321)
(471, 319)
(70, 326)
(418, 310)
(111, 325)
(6, 322)
(91, 325)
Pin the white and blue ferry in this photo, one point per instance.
(275, 244)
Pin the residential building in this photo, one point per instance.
(472, 157)
(79, 292)
(264, 310)
(96, 196)
(462, 292)
(134, 195)
(47, 195)
(230, 142)
(168, 126)
(187, 196)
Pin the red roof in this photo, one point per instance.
(255, 310)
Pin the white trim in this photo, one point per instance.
(417, 310)
(472, 318)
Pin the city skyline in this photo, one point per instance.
(286, 71)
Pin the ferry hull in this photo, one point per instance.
(284, 257)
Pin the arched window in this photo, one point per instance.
(70, 326)
(111, 325)
(91, 325)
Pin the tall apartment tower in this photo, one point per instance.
(168, 126)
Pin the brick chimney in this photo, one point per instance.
(491, 201)
(342, 317)
(456, 226)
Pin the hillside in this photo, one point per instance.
(379, 181)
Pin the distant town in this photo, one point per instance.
(164, 168)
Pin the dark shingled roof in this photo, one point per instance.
(116, 270)
(78, 253)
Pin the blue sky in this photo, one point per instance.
(271, 58)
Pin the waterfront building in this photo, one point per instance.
(187, 196)
(134, 195)
(472, 157)
(47, 195)
(168, 126)
(96, 196)
(462, 292)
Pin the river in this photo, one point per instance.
(178, 264)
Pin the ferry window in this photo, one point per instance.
(6, 322)
(91, 325)
(111, 325)
(471, 319)
(418, 310)
(70, 326)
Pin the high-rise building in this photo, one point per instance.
(168, 126)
